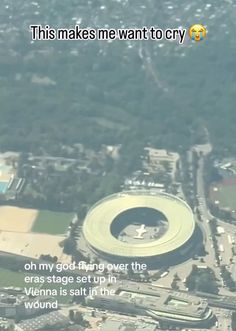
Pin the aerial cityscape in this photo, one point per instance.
(117, 166)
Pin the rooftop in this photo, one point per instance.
(97, 225)
(119, 325)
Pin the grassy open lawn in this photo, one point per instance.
(226, 195)
(12, 278)
(62, 299)
(16, 279)
(52, 222)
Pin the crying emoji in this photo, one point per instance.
(197, 32)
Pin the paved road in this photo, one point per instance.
(183, 269)
(206, 215)
(224, 319)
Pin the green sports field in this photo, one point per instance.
(52, 222)
(226, 195)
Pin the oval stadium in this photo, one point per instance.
(145, 225)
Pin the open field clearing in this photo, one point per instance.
(16, 219)
(52, 222)
(224, 194)
(30, 244)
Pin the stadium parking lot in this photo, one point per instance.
(226, 240)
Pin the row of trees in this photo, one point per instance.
(228, 280)
(233, 323)
(72, 189)
(202, 280)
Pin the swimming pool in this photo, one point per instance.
(3, 187)
(5, 168)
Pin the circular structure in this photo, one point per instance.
(98, 226)
(139, 224)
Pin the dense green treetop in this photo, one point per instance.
(55, 93)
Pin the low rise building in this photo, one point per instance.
(13, 304)
(6, 325)
(160, 159)
(163, 305)
(127, 325)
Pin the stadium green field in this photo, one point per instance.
(52, 222)
(226, 195)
